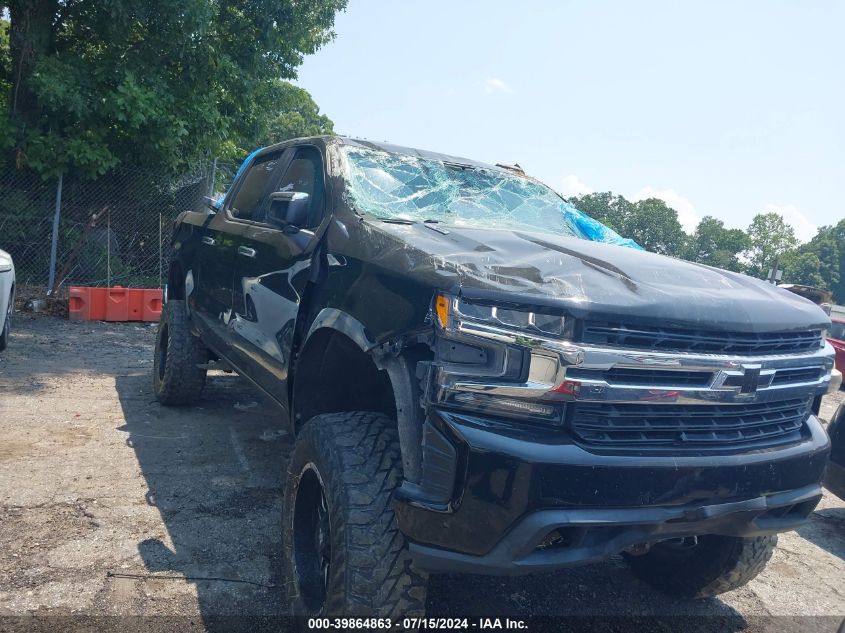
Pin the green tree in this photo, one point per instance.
(162, 84)
(803, 268)
(651, 223)
(609, 209)
(5, 61)
(829, 246)
(655, 226)
(298, 116)
(820, 262)
(714, 245)
(770, 237)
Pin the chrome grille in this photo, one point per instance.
(691, 379)
(655, 388)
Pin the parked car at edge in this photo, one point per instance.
(7, 296)
(834, 479)
(836, 338)
(482, 379)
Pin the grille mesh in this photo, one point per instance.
(688, 426)
(791, 376)
(644, 377)
(703, 341)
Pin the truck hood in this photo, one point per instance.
(589, 279)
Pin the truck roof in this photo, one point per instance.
(387, 147)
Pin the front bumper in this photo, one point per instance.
(502, 500)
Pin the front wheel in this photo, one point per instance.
(343, 551)
(180, 358)
(702, 566)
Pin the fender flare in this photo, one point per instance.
(338, 320)
(402, 379)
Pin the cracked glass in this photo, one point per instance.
(402, 187)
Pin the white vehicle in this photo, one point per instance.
(7, 296)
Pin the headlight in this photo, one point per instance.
(5, 263)
(450, 310)
(488, 361)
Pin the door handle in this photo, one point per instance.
(208, 240)
(246, 251)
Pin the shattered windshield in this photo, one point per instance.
(402, 187)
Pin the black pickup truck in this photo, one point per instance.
(482, 379)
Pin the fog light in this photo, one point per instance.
(507, 406)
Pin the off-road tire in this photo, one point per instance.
(357, 459)
(716, 565)
(178, 375)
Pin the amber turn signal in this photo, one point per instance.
(441, 308)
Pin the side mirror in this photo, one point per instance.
(289, 208)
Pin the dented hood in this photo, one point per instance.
(587, 278)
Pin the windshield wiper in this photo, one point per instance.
(461, 166)
(432, 224)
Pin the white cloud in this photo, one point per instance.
(804, 229)
(493, 86)
(687, 215)
(571, 185)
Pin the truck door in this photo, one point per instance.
(212, 298)
(273, 269)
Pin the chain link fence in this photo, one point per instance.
(224, 173)
(114, 230)
(27, 204)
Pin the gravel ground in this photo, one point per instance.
(114, 506)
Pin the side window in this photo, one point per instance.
(305, 175)
(254, 184)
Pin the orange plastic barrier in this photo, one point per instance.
(152, 304)
(114, 304)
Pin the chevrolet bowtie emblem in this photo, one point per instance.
(750, 380)
(746, 381)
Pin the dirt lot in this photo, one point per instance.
(112, 505)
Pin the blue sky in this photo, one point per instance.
(721, 108)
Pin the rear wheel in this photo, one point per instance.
(343, 551)
(178, 371)
(702, 566)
